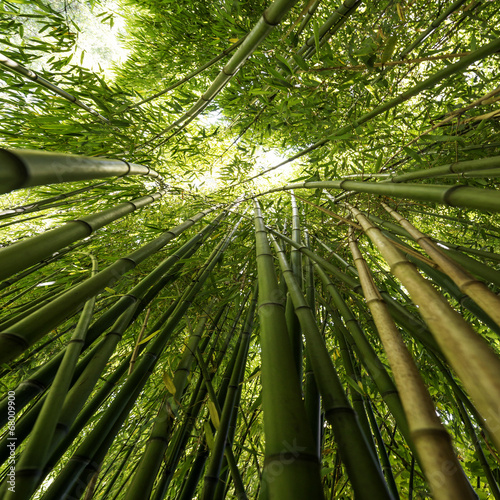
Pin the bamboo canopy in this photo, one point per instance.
(245, 271)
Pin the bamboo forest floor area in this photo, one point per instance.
(249, 249)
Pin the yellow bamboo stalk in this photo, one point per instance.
(469, 355)
(432, 442)
(475, 289)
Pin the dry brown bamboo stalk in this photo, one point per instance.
(469, 355)
(475, 289)
(432, 442)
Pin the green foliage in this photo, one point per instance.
(283, 100)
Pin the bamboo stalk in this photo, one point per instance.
(432, 442)
(455, 196)
(22, 168)
(291, 469)
(475, 289)
(365, 475)
(472, 359)
(369, 358)
(461, 167)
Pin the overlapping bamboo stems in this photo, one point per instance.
(475, 363)
(27, 252)
(186, 78)
(292, 321)
(29, 467)
(211, 478)
(417, 328)
(187, 489)
(475, 267)
(312, 400)
(136, 297)
(23, 334)
(133, 385)
(89, 377)
(443, 281)
(430, 82)
(228, 451)
(361, 465)
(453, 248)
(467, 284)
(368, 357)
(291, 469)
(358, 401)
(271, 17)
(467, 166)
(21, 168)
(430, 438)
(178, 443)
(152, 457)
(15, 67)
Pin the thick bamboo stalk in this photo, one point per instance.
(475, 289)
(455, 196)
(362, 468)
(470, 356)
(22, 168)
(22, 335)
(15, 67)
(312, 400)
(433, 444)
(292, 321)
(291, 468)
(461, 167)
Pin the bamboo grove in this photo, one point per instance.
(260, 259)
